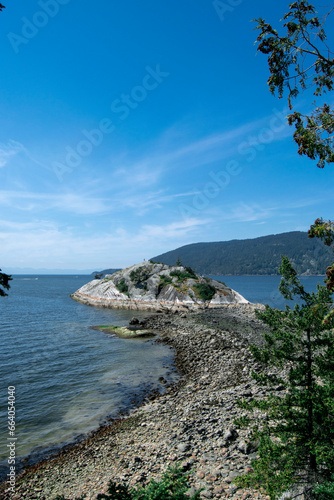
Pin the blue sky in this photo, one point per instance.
(132, 128)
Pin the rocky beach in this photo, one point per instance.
(192, 424)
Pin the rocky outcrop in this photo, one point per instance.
(125, 333)
(152, 287)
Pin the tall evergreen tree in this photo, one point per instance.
(297, 433)
(325, 231)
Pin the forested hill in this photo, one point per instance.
(253, 256)
(105, 271)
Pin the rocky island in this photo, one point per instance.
(151, 286)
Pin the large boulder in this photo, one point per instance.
(152, 286)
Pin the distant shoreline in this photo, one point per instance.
(269, 275)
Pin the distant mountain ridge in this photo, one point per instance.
(257, 256)
(105, 271)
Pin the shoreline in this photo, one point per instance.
(187, 424)
(25, 463)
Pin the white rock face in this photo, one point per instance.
(151, 286)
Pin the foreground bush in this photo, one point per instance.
(173, 486)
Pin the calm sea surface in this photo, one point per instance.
(70, 378)
(264, 289)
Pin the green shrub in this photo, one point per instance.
(188, 273)
(191, 271)
(165, 280)
(173, 486)
(139, 275)
(122, 286)
(204, 291)
(325, 491)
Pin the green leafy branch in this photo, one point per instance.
(299, 60)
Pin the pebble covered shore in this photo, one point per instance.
(192, 424)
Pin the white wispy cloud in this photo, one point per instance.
(8, 150)
(173, 230)
(220, 145)
(63, 202)
(135, 181)
(139, 174)
(170, 153)
(261, 212)
(152, 200)
(81, 203)
(14, 149)
(244, 212)
(43, 243)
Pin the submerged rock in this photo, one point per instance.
(152, 287)
(124, 332)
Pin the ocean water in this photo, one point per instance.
(69, 378)
(264, 289)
